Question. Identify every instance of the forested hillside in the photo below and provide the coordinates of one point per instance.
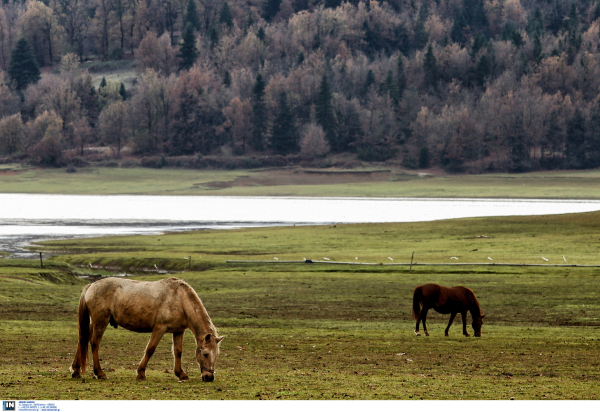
(467, 85)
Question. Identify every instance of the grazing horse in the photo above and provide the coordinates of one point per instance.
(165, 306)
(446, 300)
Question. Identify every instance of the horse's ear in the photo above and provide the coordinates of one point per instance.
(482, 316)
(207, 337)
(219, 339)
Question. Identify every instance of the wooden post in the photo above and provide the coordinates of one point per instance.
(411, 260)
(41, 262)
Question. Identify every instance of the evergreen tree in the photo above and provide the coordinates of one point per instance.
(23, 68)
(424, 158)
(102, 83)
(421, 35)
(575, 146)
(213, 36)
(227, 79)
(284, 135)
(430, 68)
(259, 113)
(472, 19)
(123, 92)
(537, 48)
(191, 15)
(370, 80)
(535, 24)
(483, 70)
(300, 58)
(324, 111)
(401, 77)
(270, 9)
(261, 33)
(225, 16)
(187, 50)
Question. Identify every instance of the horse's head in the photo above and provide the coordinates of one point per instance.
(207, 353)
(477, 323)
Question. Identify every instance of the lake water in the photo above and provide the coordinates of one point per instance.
(25, 218)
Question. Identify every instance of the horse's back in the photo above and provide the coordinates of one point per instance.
(445, 299)
(136, 305)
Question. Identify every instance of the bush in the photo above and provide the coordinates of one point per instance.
(71, 168)
(372, 153)
(129, 164)
(79, 162)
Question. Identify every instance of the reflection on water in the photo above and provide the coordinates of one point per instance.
(27, 217)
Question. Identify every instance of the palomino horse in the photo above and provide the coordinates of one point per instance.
(165, 306)
(446, 300)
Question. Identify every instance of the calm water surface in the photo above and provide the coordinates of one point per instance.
(29, 217)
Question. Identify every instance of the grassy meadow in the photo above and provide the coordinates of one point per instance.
(302, 331)
(382, 182)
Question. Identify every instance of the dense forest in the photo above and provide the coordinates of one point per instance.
(467, 85)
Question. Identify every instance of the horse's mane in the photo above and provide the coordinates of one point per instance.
(475, 303)
(198, 304)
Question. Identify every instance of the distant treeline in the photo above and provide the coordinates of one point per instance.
(468, 85)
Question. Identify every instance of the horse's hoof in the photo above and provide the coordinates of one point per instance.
(417, 333)
(426, 333)
(101, 376)
(141, 377)
(183, 377)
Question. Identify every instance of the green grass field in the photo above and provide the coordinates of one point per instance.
(301, 331)
(299, 182)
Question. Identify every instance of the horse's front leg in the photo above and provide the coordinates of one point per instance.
(463, 315)
(177, 351)
(98, 329)
(452, 316)
(157, 334)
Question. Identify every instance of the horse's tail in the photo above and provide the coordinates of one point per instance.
(80, 361)
(417, 295)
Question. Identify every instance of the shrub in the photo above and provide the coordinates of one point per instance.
(373, 153)
(71, 168)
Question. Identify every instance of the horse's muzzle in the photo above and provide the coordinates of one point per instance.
(208, 377)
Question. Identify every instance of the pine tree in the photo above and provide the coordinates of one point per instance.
(401, 77)
(213, 36)
(24, 68)
(324, 110)
(261, 33)
(537, 48)
(430, 68)
(187, 50)
(123, 92)
(227, 79)
(483, 70)
(421, 35)
(225, 16)
(270, 9)
(102, 83)
(259, 113)
(191, 15)
(284, 135)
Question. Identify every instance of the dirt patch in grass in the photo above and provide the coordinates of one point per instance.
(305, 177)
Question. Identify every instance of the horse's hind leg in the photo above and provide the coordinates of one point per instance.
(424, 319)
(177, 350)
(452, 316)
(157, 334)
(417, 325)
(96, 336)
(463, 315)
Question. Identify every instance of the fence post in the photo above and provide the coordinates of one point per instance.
(41, 262)
(411, 260)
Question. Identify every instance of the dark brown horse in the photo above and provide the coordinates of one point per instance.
(446, 300)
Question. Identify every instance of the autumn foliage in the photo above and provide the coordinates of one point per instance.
(467, 85)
